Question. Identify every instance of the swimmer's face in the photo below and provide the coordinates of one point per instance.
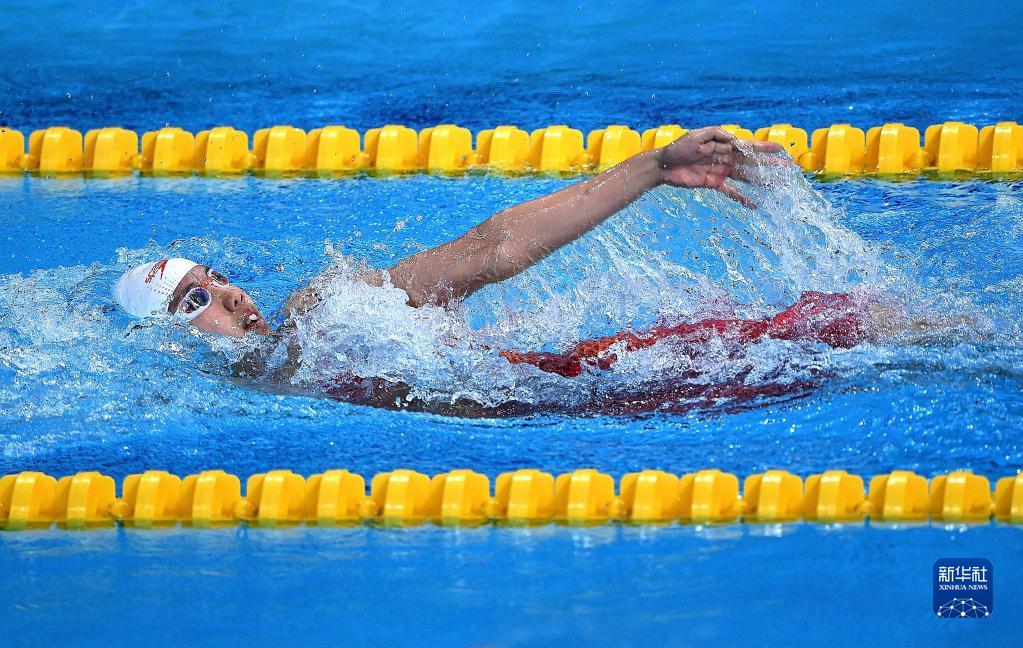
(230, 312)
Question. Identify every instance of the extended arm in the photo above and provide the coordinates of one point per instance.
(511, 241)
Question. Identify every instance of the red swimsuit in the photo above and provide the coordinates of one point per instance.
(832, 318)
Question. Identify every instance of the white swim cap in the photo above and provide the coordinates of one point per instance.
(147, 289)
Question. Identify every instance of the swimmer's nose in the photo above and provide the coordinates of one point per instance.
(232, 300)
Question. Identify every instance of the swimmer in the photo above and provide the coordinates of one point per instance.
(508, 243)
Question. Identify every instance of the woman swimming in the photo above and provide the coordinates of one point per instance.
(500, 247)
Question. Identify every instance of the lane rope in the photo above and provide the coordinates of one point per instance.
(947, 150)
(155, 498)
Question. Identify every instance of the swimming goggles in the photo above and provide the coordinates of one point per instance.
(198, 298)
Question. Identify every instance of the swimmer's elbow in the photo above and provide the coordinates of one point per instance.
(507, 255)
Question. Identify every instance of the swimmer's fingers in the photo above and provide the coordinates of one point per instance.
(750, 173)
(736, 195)
(710, 134)
(747, 166)
(745, 173)
(760, 154)
(776, 160)
(765, 161)
(761, 147)
(722, 149)
(743, 147)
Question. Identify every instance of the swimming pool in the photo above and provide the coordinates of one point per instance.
(81, 389)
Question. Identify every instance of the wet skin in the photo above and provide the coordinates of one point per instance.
(231, 311)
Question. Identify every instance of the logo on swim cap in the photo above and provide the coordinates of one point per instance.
(159, 265)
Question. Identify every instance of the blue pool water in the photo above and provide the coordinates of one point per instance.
(80, 387)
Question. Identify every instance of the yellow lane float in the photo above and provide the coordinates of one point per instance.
(33, 500)
(222, 151)
(168, 151)
(894, 149)
(110, 151)
(504, 149)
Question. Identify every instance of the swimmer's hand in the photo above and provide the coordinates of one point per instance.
(301, 301)
(707, 157)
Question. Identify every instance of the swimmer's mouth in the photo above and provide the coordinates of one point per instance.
(254, 322)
